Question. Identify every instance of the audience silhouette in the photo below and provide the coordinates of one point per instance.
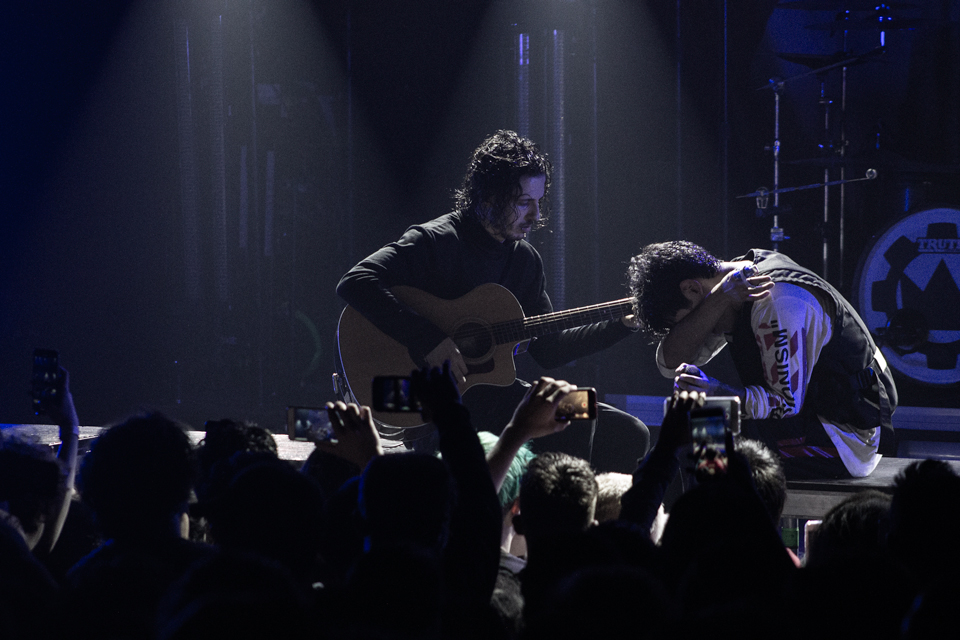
(363, 543)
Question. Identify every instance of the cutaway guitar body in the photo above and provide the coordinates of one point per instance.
(486, 324)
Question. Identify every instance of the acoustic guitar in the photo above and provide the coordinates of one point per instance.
(486, 324)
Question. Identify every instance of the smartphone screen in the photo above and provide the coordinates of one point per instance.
(578, 405)
(45, 384)
(708, 431)
(394, 394)
(708, 425)
(309, 424)
(729, 404)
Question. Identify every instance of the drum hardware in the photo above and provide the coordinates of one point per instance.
(871, 174)
(841, 61)
(880, 18)
(873, 23)
(844, 5)
(777, 234)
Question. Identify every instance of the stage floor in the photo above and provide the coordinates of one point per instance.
(50, 435)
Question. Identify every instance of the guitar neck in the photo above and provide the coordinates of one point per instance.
(536, 326)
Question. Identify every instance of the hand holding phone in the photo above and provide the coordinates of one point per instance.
(355, 436)
(537, 413)
(46, 384)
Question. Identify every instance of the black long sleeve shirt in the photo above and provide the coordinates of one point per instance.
(449, 257)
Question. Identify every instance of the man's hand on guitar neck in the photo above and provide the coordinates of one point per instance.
(448, 351)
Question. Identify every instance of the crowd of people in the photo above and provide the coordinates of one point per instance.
(484, 539)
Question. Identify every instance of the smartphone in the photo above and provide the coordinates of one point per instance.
(394, 394)
(578, 405)
(708, 433)
(309, 424)
(730, 405)
(46, 384)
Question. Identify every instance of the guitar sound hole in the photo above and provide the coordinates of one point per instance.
(474, 340)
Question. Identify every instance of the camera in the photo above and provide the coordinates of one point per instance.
(309, 424)
(394, 394)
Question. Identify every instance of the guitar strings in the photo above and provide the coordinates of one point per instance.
(510, 330)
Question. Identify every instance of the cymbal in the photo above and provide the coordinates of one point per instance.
(870, 23)
(817, 61)
(847, 61)
(843, 5)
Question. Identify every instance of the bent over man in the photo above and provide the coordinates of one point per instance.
(816, 387)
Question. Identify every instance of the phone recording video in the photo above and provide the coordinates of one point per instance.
(709, 426)
(578, 405)
(46, 384)
(394, 394)
(309, 424)
(708, 431)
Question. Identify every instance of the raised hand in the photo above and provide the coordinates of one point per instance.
(675, 429)
(355, 436)
(535, 416)
(436, 389)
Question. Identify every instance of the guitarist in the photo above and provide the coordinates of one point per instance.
(503, 197)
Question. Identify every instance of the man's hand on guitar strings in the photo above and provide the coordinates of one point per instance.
(356, 437)
(447, 351)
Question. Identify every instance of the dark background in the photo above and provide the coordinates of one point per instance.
(183, 183)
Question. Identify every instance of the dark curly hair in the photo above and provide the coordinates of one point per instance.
(654, 277)
(493, 176)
